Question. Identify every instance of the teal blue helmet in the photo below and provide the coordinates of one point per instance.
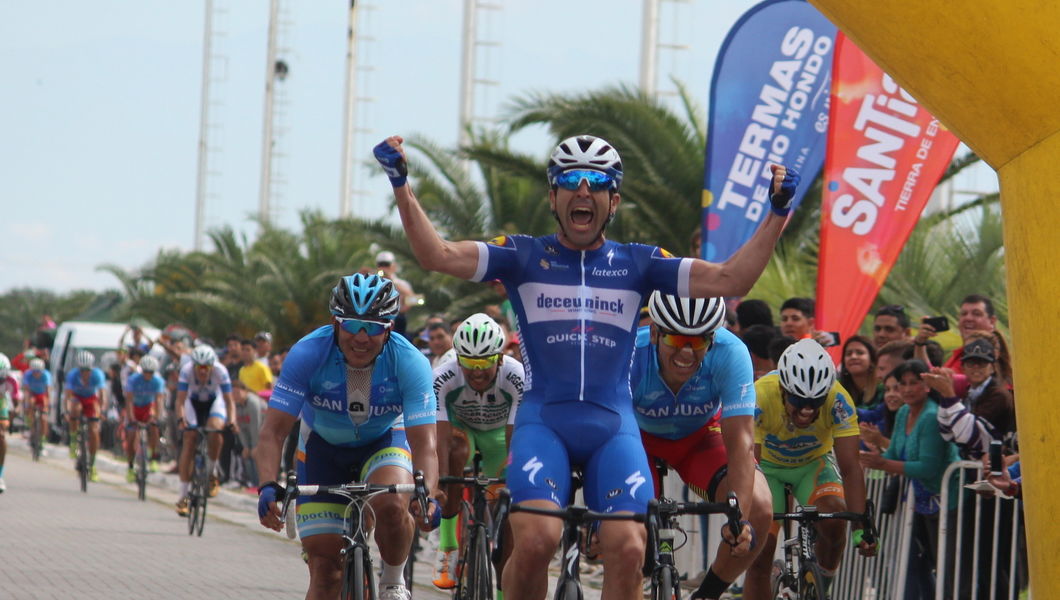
(364, 297)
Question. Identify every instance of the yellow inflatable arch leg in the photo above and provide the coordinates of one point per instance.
(989, 71)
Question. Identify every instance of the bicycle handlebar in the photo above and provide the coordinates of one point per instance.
(867, 518)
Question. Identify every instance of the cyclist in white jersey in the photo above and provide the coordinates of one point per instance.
(576, 295)
(478, 394)
(204, 399)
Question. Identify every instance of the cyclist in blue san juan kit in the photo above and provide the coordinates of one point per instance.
(694, 397)
(577, 297)
(366, 400)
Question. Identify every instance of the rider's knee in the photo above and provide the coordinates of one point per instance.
(536, 544)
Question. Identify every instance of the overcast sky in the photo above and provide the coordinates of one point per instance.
(100, 125)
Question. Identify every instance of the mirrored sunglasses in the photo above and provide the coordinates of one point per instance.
(355, 326)
(676, 340)
(572, 180)
(478, 364)
(801, 403)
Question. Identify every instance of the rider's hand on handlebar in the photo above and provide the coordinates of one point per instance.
(269, 495)
(864, 547)
(742, 545)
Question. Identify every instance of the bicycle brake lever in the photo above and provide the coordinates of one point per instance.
(735, 516)
(421, 497)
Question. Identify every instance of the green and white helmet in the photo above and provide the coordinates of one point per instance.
(478, 336)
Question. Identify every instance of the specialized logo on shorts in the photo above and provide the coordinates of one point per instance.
(635, 481)
(544, 302)
(532, 466)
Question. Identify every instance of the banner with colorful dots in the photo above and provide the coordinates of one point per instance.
(886, 154)
(768, 104)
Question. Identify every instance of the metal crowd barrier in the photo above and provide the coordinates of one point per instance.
(975, 590)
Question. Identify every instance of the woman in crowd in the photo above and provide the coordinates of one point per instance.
(857, 372)
(918, 451)
(877, 423)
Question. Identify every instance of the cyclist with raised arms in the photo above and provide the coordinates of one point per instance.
(146, 393)
(8, 403)
(85, 387)
(204, 399)
(37, 391)
(367, 407)
(804, 426)
(693, 392)
(478, 393)
(576, 296)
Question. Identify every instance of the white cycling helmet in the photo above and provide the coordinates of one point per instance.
(806, 370)
(149, 363)
(5, 365)
(686, 316)
(84, 359)
(36, 364)
(585, 152)
(203, 355)
(478, 336)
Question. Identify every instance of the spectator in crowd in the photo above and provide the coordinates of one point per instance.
(918, 452)
(857, 371)
(752, 312)
(796, 317)
(877, 423)
(276, 362)
(986, 412)
(1010, 481)
(505, 306)
(890, 355)
(386, 266)
(263, 346)
(250, 411)
(46, 323)
(232, 357)
(1002, 367)
(440, 343)
(757, 339)
(254, 374)
(890, 325)
(976, 314)
(777, 346)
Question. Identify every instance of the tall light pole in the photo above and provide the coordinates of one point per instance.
(266, 138)
(349, 114)
(204, 121)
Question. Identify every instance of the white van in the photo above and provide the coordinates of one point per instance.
(98, 338)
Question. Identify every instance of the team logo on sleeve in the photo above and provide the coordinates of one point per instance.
(841, 410)
(500, 240)
(665, 253)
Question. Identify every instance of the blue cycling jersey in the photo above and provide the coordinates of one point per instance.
(96, 380)
(724, 381)
(37, 382)
(312, 385)
(578, 311)
(144, 391)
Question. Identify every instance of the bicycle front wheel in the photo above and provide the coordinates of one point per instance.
(355, 583)
(569, 590)
(481, 579)
(663, 585)
(141, 466)
(811, 582)
(82, 458)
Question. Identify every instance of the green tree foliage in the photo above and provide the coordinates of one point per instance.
(21, 310)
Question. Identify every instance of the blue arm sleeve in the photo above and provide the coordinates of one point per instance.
(735, 379)
(417, 390)
(291, 388)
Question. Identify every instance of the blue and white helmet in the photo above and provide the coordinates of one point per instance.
(585, 152)
(365, 296)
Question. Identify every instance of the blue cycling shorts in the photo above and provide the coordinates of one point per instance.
(320, 463)
(549, 440)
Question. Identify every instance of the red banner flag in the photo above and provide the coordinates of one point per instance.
(885, 155)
